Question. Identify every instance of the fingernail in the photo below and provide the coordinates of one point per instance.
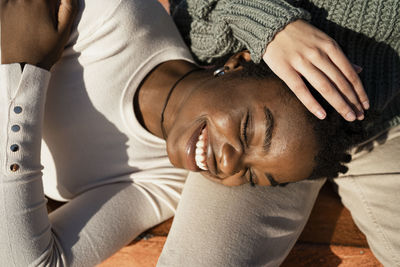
(365, 104)
(351, 116)
(321, 114)
(357, 68)
(360, 116)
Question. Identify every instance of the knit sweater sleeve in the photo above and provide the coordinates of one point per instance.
(215, 28)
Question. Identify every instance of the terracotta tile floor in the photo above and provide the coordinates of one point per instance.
(146, 252)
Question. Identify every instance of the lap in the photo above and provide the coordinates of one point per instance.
(237, 226)
(100, 221)
(370, 190)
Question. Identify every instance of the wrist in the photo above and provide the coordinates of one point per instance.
(43, 65)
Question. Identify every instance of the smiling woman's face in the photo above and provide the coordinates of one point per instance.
(234, 129)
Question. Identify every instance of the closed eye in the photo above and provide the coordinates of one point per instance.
(246, 143)
(244, 129)
(251, 178)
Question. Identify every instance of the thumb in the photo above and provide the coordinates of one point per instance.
(66, 15)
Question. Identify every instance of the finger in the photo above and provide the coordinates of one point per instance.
(326, 66)
(341, 61)
(66, 15)
(302, 92)
(323, 85)
(357, 68)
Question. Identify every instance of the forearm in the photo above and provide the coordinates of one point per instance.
(25, 231)
(217, 28)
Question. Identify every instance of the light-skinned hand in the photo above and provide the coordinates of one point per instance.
(301, 50)
(35, 32)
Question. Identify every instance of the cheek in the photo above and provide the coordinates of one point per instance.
(302, 169)
(279, 147)
(300, 160)
(294, 154)
(177, 138)
(172, 151)
(282, 140)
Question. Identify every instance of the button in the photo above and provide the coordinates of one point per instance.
(14, 167)
(15, 128)
(17, 110)
(14, 148)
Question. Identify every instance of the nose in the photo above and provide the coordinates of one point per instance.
(230, 160)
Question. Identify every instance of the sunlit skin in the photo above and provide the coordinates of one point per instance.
(224, 106)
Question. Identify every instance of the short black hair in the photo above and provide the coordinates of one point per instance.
(335, 136)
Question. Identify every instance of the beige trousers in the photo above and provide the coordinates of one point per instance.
(244, 226)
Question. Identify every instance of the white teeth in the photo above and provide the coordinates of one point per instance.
(201, 149)
(200, 158)
(203, 167)
(200, 143)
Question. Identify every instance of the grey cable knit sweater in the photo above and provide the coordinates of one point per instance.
(367, 31)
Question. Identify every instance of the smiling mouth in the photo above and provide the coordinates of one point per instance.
(201, 150)
(196, 150)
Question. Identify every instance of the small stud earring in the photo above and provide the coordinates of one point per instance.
(220, 71)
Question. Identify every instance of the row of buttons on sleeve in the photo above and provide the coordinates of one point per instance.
(15, 147)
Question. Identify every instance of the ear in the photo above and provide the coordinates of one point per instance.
(234, 63)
